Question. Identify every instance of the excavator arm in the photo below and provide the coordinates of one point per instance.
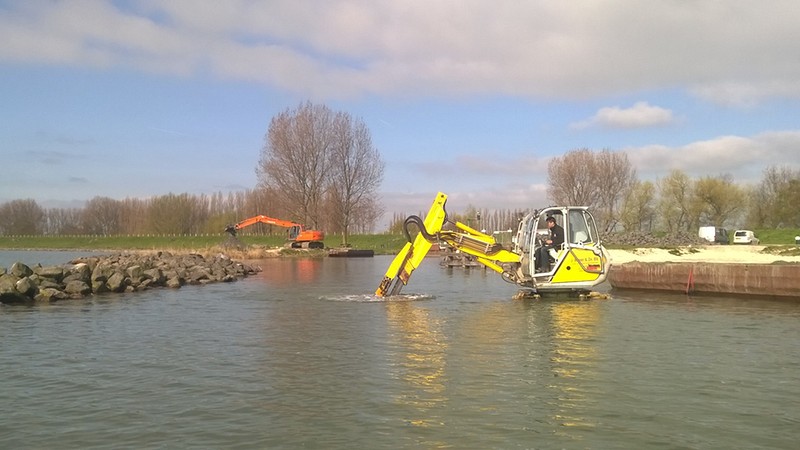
(412, 254)
(480, 245)
(232, 229)
(468, 240)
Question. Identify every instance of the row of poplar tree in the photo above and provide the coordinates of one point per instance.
(673, 203)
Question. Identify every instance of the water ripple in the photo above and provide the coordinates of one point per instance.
(266, 363)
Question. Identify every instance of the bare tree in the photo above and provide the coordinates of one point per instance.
(615, 176)
(638, 210)
(572, 179)
(21, 217)
(134, 216)
(600, 180)
(674, 194)
(294, 160)
(756, 214)
(718, 200)
(263, 201)
(768, 207)
(787, 212)
(366, 215)
(356, 175)
(101, 216)
(175, 214)
(62, 221)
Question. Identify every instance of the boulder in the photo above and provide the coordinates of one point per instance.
(8, 289)
(47, 295)
(81, 271)
(116, 282)
(26, 287)
(20, 270)
(155, 276)
(53, 272)
(77, 288)
(134, 272)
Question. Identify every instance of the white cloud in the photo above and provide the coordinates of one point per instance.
(744, 158)
(745, 95)
(639, 115)
(730, 52)
(522, 182)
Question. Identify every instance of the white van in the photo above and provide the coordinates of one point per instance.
(745, 237)
(714, 235)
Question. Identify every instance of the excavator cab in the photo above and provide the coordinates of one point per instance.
(293, 232)
(576, 267)
(579, 262)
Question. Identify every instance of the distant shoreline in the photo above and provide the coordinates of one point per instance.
(746, 254)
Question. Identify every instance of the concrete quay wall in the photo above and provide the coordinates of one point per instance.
(777, 280)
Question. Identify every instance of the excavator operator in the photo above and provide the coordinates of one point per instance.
(555, 241)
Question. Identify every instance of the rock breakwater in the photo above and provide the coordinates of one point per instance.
(114, 273)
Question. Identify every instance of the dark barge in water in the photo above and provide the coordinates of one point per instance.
(347, 252)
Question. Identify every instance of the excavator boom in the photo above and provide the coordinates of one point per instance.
(412, 254)
(260, 219)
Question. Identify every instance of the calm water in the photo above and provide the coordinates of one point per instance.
(301, 356)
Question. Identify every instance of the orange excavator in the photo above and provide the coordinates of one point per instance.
(298, 235)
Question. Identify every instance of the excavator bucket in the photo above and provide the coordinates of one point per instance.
(413, 253)
(231, 229)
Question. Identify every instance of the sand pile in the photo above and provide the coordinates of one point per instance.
(744, 254)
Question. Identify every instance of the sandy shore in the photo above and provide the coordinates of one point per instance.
(746, 254)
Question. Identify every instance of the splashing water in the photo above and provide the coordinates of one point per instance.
(372, 298)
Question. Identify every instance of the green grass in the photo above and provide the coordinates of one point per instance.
(109, 242)
(782, 239)
(781, 236)
(380, 243)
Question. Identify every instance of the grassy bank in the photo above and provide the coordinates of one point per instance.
(380, 243)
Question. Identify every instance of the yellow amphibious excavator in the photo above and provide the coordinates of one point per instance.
(575, 268)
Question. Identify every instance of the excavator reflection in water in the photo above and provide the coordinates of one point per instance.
(298, 235)
(438, 374)
(419, 351)
(580, 264)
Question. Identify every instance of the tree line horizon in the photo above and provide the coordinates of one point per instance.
(319, 168)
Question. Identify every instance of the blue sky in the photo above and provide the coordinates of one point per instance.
(472, 98)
